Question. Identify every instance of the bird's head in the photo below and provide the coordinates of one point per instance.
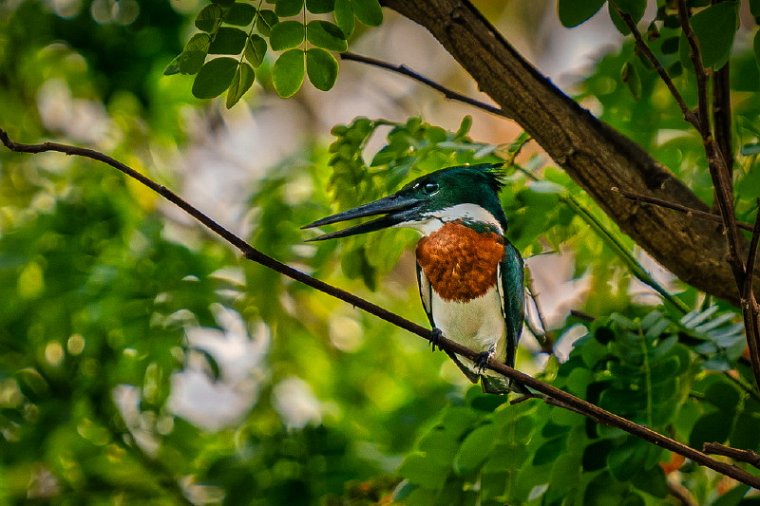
(469, 193)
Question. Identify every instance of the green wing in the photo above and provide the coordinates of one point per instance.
(425, 294)
(512, 291)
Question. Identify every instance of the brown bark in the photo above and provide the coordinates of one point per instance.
(596, 156)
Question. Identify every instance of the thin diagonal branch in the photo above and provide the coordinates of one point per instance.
(406, 71)
(560, 397)
(678, 207)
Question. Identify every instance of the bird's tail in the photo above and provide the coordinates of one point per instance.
(502, 385)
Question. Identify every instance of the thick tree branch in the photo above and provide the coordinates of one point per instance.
(559, 397)
(593, 154)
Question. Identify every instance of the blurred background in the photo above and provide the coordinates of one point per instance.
(142, 360)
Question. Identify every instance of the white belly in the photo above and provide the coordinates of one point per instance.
(477, 324)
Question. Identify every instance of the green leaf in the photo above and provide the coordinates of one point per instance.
(228, 41)
(634, 8)
(712, 427)
(418, 470)
(32, 383)
(757, 48)
(240, 14)
(320, 6)
(286, 35)
(715, 28)
(604, 489)
(595, 455)
(322, 68)
(754, 8)
(549, 451)
(174, 66)
(266, 21)
(630, 77)
(241, 82)
(344, 16)
(326, 35)
(475, 449)
(625, 460)
(574, 12)
(255, 50)
(723, 396)
(745, 433)
(288, 73)
(208, 18)
(368, 12)
(651, 481)
(733, 497)
(191, 59)
(285, 8)
(214, 77)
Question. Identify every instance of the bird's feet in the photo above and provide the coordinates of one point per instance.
(435, 338)
(481, 361)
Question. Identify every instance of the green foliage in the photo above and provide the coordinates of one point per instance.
(99, 294)
(215, 77)
(494, 453)
(322, 68)
(573, 12)
(715, 28)
(288, 73)
(233, 28)
(634, 8)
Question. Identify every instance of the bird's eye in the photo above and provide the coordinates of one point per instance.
(430, 188)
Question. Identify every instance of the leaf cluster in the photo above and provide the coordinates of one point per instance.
(241, 34)
(487, 451)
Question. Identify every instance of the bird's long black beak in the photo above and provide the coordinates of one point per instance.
(396, 208)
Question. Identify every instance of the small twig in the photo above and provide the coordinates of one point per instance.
(677, 207)
(750, 308)
(752, 256)
(541, 335)
(722, 116)
(642, 46)
(559, 397)
(406, 71)
(681, 493)
(581, 315)
(695, 54)
(748, 456)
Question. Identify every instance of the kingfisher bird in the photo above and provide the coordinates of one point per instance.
(470, 277)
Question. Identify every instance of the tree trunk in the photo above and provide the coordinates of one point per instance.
(595, 155)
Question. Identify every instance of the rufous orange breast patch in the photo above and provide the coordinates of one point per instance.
(460, 263)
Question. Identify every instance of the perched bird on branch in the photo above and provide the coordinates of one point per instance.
(469, 275)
